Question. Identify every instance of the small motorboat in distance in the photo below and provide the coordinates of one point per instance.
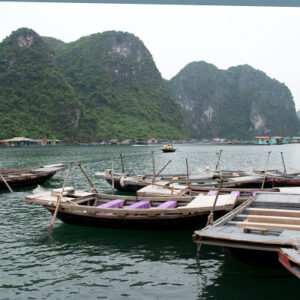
(168, 148)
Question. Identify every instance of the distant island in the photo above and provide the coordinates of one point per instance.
(106, 86)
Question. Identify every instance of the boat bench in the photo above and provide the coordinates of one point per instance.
(117, 203)
(167, 204)
(212, 192)
(238, 193)
(143, 204)
(254, 192)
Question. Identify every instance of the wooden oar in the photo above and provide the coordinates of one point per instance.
(153, 165)
(163, 168)
(89, 180)
(284, 168)
(218, 162)
(210, 218)
(58, 203)
(187, 172)
(123, 170)
(263, 183)
(6, 183)
(112, 175)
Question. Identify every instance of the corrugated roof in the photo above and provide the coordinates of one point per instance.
(20, 139)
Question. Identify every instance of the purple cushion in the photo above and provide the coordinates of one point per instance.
(212, 193)
(143, 204)
(254, 193)
(238, 193)
(118, 203)
(167, 204)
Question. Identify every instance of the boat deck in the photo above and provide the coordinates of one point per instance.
(267, 221)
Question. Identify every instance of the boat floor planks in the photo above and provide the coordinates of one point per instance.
(259, 224)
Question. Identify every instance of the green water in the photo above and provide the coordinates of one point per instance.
(94, 263)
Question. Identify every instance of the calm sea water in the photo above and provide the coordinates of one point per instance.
(94, 263)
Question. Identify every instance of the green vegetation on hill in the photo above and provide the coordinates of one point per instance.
(52, 42)
(35, 99)
(115, 78)
(106, 86)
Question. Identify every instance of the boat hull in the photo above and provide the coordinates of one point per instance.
(129, 188)
(190, 222)
(258, 258)
(31, 180)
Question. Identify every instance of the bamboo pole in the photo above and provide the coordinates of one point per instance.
(112, 175)
(210, 218)
(153, 166)
(187, 171)
(6, 183)
(265, 173)
(89, 180)
(163, 168)
(58, 203)
(121, 157)
(283, 163)
(218, 161)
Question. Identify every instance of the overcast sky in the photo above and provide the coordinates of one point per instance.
(267, 38)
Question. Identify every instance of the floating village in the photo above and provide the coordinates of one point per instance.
(258, 140)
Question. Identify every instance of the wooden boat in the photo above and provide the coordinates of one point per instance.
(277, 178)
(116, 211)
(130, 182)
(168, 189)
(28, 176)
(125, 182)
(290, 259)
(255, 231)
(168, 148)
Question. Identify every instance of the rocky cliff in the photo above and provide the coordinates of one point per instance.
(240, 102)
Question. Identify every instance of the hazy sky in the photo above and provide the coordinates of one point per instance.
(267, 38)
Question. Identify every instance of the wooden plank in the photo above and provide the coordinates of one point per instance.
(273, 212)
(263, 231)
(267, 225)
(272, 219)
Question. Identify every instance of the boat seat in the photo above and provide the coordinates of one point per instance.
(143, 204)
(212, 192)
(167, 204)
(117, 203)
(238, 193)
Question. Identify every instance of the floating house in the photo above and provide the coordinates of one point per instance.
(152, 141)
(277, 140)
(21, 142)
(295, 139)
(262, 140)
(274, 140)
(54, 143)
